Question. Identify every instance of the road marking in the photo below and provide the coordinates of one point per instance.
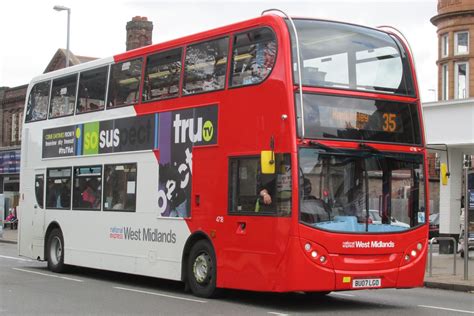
(159, 294)
(16, 258)
(447, 309)
(48, 275)
(279, 314)
(343, 294)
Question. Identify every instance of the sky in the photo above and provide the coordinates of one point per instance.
(31, 31)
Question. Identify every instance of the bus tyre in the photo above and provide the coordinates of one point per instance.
(201, 270)
(55, 251)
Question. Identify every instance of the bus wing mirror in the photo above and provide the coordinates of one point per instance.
(444, 174)
(267, 161)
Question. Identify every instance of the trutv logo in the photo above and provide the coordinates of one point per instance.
(186, 127)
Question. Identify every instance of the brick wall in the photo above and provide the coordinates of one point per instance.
(139, 32)
(12, 105)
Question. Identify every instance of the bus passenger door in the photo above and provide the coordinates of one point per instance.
(35, 205)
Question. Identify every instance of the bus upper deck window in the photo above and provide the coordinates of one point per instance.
(124, 83)
(253, 57)
(205, 66)
(91, 93)
(63, 96)
(38, 99)
(163, 71)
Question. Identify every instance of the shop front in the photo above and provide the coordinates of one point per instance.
(9, 183)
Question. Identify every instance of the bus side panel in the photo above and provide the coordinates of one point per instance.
(148, 246)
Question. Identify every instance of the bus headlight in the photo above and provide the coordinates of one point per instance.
(317, 253)
(414, 252)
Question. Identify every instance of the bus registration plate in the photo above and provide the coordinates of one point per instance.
(366, 283)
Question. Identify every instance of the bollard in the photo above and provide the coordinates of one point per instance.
(430, 262)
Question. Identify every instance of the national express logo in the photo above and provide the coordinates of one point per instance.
(143, 234)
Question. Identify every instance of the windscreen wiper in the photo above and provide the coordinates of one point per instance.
(372, 149)
(319, 145)
(368, 147)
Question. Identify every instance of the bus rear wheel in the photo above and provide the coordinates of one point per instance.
(55, 251)
(202, 270)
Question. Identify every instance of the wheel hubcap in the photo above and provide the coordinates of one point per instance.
(56, 251)
(201, 268)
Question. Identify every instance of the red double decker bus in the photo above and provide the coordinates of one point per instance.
(275, 154)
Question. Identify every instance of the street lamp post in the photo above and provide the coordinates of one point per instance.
(63, 8)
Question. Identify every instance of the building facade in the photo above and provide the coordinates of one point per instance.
(449, 122)
(455, 24)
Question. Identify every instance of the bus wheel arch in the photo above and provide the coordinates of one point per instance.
(54, 248)
(199, 266)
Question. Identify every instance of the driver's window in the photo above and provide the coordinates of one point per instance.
(39, 189)
(248, 187)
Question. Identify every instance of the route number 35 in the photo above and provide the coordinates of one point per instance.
(389, 123)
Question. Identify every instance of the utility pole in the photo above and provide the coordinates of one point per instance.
(467, 165)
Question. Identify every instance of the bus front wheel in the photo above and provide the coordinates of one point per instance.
(55, 251)
(202, 270)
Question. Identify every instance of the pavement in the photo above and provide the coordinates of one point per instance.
(442, 275)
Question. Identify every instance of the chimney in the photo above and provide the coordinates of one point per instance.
(139, 32)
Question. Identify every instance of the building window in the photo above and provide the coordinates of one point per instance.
(444, 82)
(205, 66)
(14, 127)
(461, 80)
(58, 189)
(461, 43)
(20, 125)
(444, 45)
(87, 189)
(120, 185)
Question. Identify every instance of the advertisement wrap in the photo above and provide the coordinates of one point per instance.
(171, 135)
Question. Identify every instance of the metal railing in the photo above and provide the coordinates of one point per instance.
(430, 262)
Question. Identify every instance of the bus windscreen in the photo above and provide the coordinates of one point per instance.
(352, 191)
(345, 56)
